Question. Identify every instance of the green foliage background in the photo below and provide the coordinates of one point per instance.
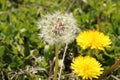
(24, 56)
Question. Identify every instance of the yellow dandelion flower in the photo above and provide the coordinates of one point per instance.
(86, 67)
(93, 39)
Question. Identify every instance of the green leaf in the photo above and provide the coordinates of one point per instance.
(2, 51)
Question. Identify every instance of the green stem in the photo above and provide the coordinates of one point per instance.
(56, 61)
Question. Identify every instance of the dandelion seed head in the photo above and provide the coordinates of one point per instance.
(58, 28)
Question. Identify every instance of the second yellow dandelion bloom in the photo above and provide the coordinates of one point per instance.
(87, 67)
(93, 39)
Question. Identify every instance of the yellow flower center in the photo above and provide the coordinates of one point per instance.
(93, 39)
(86, 67)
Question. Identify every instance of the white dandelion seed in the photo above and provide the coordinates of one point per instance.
(58, 28)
